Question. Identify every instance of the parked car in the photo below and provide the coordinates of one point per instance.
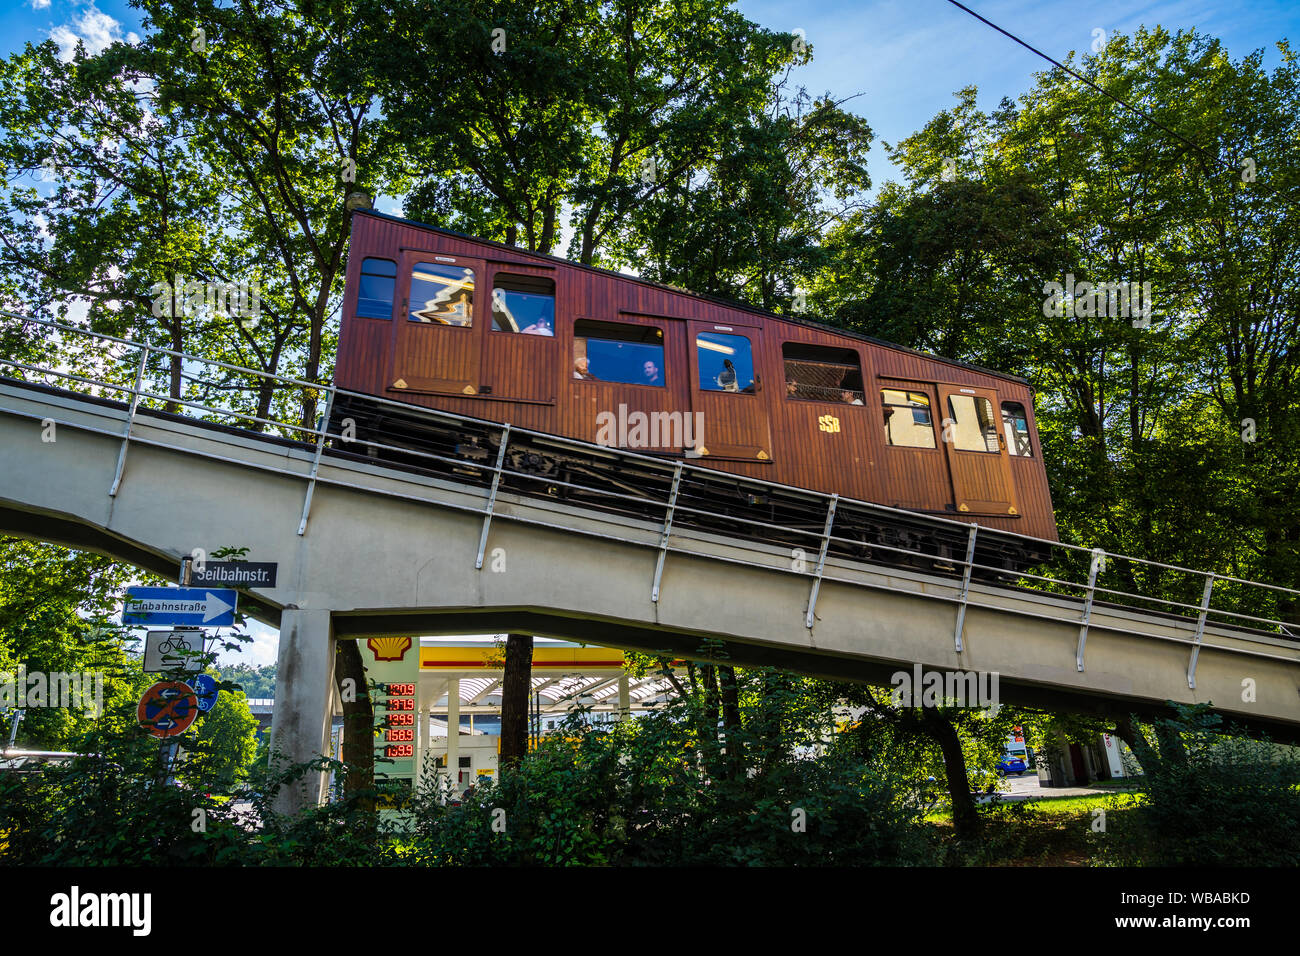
(1012, 763)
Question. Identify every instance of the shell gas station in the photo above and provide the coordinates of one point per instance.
(434, 684)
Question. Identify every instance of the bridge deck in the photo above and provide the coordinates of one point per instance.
(390, 550)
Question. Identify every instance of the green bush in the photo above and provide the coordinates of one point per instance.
(1229, 802)
(630, 795)
(633, 796)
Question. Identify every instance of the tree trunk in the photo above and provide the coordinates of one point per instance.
(1172, 751)
(358, 720)
(548, 226)
(516, 684)
(712, 699)
(708, 728)
(177, 344)
(965, 819)
(1127, 730)
(731, 721)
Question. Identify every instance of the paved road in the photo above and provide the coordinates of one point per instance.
(245, 815)
(1026, 787)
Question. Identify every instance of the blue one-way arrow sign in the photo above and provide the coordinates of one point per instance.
(207, 607)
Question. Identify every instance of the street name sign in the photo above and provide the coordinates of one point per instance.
(201, 607)
(251, 574)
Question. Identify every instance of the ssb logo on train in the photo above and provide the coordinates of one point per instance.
(828, 423)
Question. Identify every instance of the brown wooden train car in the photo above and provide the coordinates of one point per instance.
(477, 328)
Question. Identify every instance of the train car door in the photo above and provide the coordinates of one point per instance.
(914, 473)
(727, 391)
(521, 348)
(822, 418)
(439, 327)
(976, 449)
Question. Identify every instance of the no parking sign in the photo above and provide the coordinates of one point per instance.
(168, 708)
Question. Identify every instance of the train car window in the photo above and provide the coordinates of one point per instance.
(442, 294)
(907, 418)
(726, 362)
(820, 374)
(524, 304)
(1015, 428)
(973, 427)
(614, 352)
(375, 293)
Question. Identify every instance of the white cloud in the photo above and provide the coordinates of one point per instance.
(40, 4)
(92, 27)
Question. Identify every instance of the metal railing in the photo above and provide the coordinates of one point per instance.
(682, 495)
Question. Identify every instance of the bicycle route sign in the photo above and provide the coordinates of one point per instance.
(167, 708)
(175, 650)
(203, 607)
(205, 687)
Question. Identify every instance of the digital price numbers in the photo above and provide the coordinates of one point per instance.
(399, 722)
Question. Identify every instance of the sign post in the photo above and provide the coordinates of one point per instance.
(169, 708)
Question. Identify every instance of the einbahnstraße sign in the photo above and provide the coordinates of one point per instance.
(202, 607)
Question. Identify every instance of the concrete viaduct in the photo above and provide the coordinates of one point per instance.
(382, 550)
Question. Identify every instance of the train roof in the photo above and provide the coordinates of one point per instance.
(716, 300)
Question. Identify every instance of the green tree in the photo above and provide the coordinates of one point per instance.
(254, 682)
(225, 746)
(516, 114)
(1142, 428)
(54, 617)
(746, 220)
(220, 149)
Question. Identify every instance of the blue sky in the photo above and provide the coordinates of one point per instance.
(906, 57)
(909, 56)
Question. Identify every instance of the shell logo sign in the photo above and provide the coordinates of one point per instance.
(389, 648)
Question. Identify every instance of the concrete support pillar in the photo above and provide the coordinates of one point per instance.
(453, 732)
(624, 698)
(300, 727)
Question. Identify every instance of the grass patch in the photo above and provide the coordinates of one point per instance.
(1057, 806)
(1052, 806)
(1121, 783)
(1047, 831)
(1067, 831)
